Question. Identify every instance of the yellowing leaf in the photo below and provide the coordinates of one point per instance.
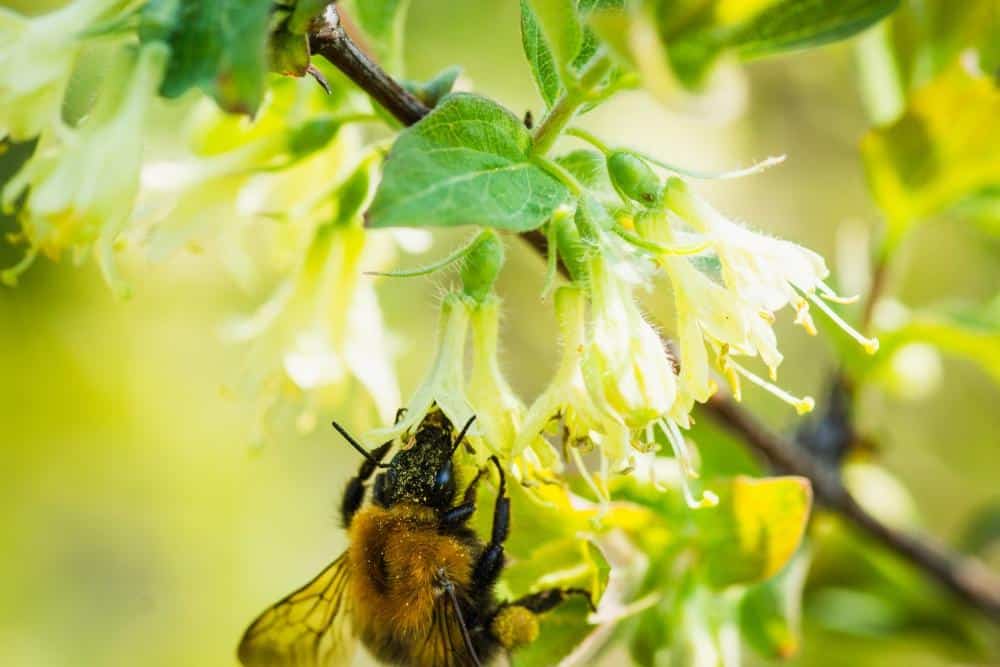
(944, 148)
(755, 529)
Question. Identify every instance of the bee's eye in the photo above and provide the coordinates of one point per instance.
(443, 477)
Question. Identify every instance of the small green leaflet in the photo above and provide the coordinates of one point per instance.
(557, 41)
(466, 163)
(536, 50)
(219, 46)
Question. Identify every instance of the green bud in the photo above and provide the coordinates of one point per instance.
(633, 178)
(431, 92)
(482, 265)
(573, 251)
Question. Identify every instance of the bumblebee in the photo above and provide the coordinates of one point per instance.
(415, 585)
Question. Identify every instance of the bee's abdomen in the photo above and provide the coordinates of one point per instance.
(400, 562)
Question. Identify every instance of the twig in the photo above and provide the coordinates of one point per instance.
(328, 38)
(967, 578)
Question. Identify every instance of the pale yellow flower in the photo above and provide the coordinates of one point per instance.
(80, 184)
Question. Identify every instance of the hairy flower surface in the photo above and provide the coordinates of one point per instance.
(625, 366)
(81, 183)
(444, 384)
(498, 409)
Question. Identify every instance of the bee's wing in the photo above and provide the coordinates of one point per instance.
(309, 628)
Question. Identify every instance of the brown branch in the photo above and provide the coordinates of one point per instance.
(967, 578)
(329, 39)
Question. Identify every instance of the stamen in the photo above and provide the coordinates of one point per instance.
(830, 295)
(802, 317)
(683, 455)
(870, 345)
(582, 468)
(766, 315)
(802, 405)
(723, 361)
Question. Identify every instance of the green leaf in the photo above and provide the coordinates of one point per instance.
(565, 563)
(539, 55)
(219, 46)
(560, 632)
(589, 168)
(943, 149)
(770, 613)
(695, 35)
(755, 530)
(382, 23)
(466, 163)
(560, 25)
(798, 24)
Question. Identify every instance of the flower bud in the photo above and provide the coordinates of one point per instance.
(633, 178)
(481, 265)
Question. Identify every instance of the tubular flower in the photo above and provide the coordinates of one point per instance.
(323, 327)
(625, 366)
(766, 273)
(234, 174)
(37, 55)
(444, 384)
(567, 397)
(81, 183)
(498, 410)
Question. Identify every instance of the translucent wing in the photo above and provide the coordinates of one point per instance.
(309, 628)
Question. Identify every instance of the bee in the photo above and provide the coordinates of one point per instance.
(415, 585)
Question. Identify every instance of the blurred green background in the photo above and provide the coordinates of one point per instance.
(139, 527)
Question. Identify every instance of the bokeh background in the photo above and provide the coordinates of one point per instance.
(139, 526)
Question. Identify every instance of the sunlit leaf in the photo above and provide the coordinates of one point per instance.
(755, 530)
(466, 163)
(695, 36)
(944, 148)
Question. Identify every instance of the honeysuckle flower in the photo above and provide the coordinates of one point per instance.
(322, 328)
(81, 183)
(234, 174)
(765, 272)
(498, 409)
(625, 366)
(585, 425)
(444, 384)
(37, 56)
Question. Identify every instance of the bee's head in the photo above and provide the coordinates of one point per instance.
(423, 473)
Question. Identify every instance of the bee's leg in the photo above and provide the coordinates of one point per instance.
(354, 494)
(490, 562)
(459, 514)
(516, 623)
(546, 600)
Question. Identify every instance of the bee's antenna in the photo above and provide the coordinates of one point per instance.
(461, 434)
(356, 445)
